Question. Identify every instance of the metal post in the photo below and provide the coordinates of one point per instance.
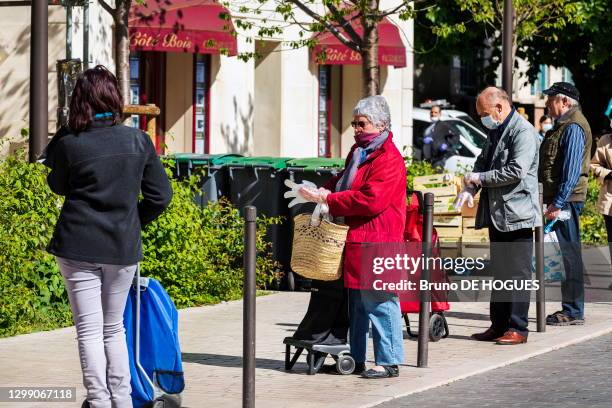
(507, 46)
(86, 35)
(67, 73)
(39, 81)
(425, 305)
(539, 255)
(68, 32)
(248, 317)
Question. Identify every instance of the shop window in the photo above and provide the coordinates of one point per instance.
(330, 110)
(567, 76)
(135, 85)
(201, 104)
(324, 116)
(148, 86)
(541, 83)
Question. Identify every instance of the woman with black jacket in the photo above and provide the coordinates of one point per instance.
(101, 167)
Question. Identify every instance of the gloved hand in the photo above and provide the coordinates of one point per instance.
(428, 140)
(472, 178)
(321, 212)
(465, 196)
(298, 198)
(315, 196)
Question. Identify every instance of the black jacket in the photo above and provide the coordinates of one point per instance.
(101, 172)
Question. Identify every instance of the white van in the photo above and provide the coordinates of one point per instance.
(471, 136)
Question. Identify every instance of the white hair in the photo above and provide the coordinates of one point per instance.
(570, 101)
(376, 109)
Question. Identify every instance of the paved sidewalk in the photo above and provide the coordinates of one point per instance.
(574, 376)
(212, 346)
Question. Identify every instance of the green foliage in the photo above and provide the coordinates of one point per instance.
(323, 16)
(196, 253)
(464, 28)
(415, 168)
(32, 292)
(583, 47)
(592, 225)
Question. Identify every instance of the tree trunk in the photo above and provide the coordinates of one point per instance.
(122, 48)
(369, 57)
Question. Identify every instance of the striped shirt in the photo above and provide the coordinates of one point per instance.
(572, 145)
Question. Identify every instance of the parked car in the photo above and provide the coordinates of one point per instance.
(471, 137)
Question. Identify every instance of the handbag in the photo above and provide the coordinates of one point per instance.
(318, 245)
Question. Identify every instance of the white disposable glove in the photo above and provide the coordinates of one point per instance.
(321, 212)
(473, 179)
(294, 192)
(315, 196)
(463, 197)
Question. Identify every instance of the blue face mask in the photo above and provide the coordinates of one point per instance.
(489, 123)
(546, 127)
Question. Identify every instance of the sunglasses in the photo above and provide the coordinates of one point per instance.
(360, 124)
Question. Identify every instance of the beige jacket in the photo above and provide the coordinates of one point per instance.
(601, 166)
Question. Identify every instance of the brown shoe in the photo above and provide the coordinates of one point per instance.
(488, 335)
(512, 338)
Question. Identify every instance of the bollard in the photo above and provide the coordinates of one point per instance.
(539, 257)
(425, 305)
(248, 317)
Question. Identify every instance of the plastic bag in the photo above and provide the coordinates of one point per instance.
(554, 269)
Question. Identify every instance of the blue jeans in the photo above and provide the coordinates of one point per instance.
(572, 288)
(383, 310)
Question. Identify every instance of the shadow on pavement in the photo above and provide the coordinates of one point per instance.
(467, 316)
(220, 360)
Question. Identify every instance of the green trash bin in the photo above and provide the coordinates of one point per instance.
(259, 181)
(214, 182)
(317, 170)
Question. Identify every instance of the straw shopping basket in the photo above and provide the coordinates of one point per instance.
(317, 249)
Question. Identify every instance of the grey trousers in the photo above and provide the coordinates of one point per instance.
(97, 294)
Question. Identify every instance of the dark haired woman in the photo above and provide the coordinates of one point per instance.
(101, 166)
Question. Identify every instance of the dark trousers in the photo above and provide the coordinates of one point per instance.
(608, 220)
(572, 288)
(327, 319)
(511, 255)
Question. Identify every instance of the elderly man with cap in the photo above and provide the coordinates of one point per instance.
(565, 154)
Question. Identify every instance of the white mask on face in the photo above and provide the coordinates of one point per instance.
(489, 122)
(546, 127)
(435, 118)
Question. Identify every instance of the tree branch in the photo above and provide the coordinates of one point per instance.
(107, 7)
(394, 10)
(345, 24)
(332, 29)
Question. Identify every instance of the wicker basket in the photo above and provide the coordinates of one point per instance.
(317, 250)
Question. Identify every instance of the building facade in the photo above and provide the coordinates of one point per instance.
(282, 104)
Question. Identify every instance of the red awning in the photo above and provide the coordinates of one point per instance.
(391, 50)
(181, 26)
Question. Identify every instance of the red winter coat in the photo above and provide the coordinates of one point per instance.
(374, 208)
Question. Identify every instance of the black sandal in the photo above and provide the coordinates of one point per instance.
(560, 318)
(390, 371)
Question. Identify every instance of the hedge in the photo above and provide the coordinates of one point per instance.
(196, 253)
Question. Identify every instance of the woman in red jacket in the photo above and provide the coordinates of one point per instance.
(370, 194)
